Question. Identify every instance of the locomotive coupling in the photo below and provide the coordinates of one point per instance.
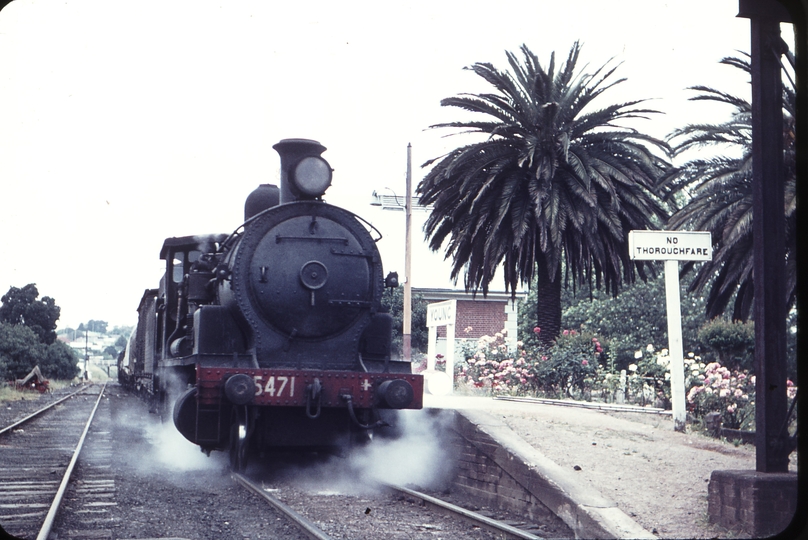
(240, 389)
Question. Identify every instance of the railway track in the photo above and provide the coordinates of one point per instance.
(319, 522)
(122, 488)
(38, 455)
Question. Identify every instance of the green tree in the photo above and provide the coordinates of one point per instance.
(97, 326)
(21, 350)
(733, 342)
(20, 306)
(393, 301)
(635, 318)
(60, 362)
(718, 197)
(555, 180)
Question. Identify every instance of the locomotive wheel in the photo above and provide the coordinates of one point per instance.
(238, 448)
(239, 439)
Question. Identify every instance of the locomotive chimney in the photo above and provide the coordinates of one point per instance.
(302, 178)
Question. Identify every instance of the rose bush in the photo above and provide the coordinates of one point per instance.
(717, 389)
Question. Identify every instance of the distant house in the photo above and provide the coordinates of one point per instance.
(477, 315)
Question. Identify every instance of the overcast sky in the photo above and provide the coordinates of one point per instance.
(123, 123)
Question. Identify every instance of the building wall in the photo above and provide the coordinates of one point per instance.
(477, 318)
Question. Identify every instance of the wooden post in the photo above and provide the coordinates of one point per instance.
(407, 330)
(675, 348)
(768, 228)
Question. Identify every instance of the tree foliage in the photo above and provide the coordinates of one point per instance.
(733, 342)
(97, 326)
(20, 306)
(393, 301)
(28, 336)
(630, 321)
(718, 197)
(555, 180)
(21, 350)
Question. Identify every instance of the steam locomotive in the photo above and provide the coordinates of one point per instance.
(274, 336)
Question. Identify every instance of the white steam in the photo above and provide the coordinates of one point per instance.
(423, 456)
(176, 453)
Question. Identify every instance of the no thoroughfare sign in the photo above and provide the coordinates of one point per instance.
(670, 245)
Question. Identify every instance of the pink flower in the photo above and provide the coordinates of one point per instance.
(544, 358)
(599, 348)
(584, 362)
(566, 332)
(536, 330)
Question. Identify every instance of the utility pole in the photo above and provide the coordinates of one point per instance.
(407, 330)
(86, 351)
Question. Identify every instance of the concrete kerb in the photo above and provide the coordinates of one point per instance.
(588, 513)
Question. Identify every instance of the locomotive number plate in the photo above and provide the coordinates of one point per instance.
(293, 387)
(273, 389)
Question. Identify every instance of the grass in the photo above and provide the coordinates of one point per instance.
(9, 393)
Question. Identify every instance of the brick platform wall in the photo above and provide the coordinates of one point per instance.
(496, 467)
(759, 504)
(481, 479)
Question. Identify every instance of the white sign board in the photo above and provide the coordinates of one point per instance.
(670, 245)
(441, 313)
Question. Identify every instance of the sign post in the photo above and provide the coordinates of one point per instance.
(441, 314)
(672, 247)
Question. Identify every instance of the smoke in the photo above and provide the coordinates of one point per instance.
(173, 452)
(422, 457)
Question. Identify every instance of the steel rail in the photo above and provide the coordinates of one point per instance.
(44, 532)
(308, 527)
(40, 411)
(473, 517)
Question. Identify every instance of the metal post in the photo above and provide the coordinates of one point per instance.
(407, 330)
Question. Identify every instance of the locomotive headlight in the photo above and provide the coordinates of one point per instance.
(312, 176)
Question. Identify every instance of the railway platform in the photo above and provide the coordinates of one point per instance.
(606, 473)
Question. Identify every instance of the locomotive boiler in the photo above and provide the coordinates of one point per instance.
(273, 336)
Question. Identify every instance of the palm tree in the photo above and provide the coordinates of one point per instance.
(554, 181)
(718, 195)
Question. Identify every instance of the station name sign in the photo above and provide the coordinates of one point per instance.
(670, 245)
(441, 313)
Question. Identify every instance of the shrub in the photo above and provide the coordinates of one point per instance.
(717, 389)
(732, 342)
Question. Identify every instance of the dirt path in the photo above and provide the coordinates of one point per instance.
(655, 475)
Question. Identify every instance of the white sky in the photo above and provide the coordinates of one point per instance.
(123, 123)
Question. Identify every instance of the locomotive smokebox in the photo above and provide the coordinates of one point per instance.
(304, 174)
